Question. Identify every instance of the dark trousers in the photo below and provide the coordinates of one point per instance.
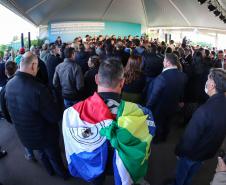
(52, 161)
(148, 85)
(162, 127)
(186, 169)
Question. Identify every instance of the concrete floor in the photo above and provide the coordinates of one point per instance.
(15, 170)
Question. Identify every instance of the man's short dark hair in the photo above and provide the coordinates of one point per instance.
(213, 53)
(172, 58)
(108, 46)
(81, 47)
(169, 50)
(207, 52)
(176, 53)
(171, 41)
(136, 42)
(220, 51)
(52, 47)
(10, 68)
(110, 72)
(153, 48)
(68, 52)
(218, 75)
(201, 49)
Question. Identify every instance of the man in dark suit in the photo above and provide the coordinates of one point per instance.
(82, 58)
(10, 69)
(164, 95)
(3, 77)
(51, 62)
(35, 114)
(152, 64)
(206, 130)
(219, 62)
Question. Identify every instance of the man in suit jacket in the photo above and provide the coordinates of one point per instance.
(152, 64)
(206, 130)
(35, 114)
(3, 77)
(219, 62)
(51, 62)
(164, 95)
(82, 58)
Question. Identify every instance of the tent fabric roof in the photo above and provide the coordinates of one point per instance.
(150, 13)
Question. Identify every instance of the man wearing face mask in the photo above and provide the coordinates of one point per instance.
(205, 132)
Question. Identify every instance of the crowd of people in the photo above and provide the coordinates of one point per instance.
(114, 94)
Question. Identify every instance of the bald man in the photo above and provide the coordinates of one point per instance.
(35, 114)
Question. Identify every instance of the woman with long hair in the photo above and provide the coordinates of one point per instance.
(134, 80)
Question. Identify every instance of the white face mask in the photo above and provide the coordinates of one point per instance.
(206, 90)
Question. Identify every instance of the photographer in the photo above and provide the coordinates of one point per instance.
(220, 175)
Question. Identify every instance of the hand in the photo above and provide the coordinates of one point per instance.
(221, 166)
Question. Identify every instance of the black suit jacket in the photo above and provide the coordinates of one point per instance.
(205, 131)
(152, 65)
(82, 60)
(166, 91)
(42, 75)
(3, 77)
(33, 111)
(51, 63)
(3, 104)
(217, 63)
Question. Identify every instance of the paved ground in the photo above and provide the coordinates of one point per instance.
(15, 170)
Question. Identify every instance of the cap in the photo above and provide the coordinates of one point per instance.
(22, 51)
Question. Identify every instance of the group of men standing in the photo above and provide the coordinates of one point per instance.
(35, 112)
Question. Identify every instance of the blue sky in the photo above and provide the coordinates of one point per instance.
(12, 24)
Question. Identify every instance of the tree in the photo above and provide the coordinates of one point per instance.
(2, 49)
(37, 42)
(15, 38)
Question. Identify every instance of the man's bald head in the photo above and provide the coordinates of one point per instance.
(28, 58)
(29, 63)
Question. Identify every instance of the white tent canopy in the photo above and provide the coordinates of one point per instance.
(149, 13)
